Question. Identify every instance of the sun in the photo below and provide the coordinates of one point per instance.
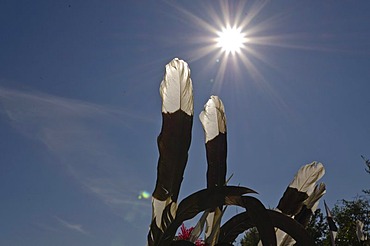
(231, 40)
(230, 36)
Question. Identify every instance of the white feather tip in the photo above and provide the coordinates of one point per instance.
(213, 118)
(176, 88)
(307, 176)
(313, 200)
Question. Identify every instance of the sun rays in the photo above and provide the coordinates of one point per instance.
(228, 34)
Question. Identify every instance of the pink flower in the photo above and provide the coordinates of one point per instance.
(200, 243)
(184, 234)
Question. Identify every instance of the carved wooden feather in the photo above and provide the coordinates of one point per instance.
(308, 209)
(300, 197)
(174, 140)
(214, 124)
(300, 188)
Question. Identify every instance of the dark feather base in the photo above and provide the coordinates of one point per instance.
(173, 144)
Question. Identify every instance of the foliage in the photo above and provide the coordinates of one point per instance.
(251, 238)
(318, 229)
(345, 214)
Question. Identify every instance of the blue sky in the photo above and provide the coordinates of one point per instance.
(80, 107)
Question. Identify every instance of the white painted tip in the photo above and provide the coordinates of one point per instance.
(176, 88)
(307, 176)
(312, 201)
(158, 208)
(213, 118)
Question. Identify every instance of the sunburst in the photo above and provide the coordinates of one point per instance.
(231, 40)
(229, 36)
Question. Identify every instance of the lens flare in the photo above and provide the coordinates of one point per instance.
(143, 195)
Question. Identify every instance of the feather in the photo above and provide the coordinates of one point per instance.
(213, 226)
(305, 214)
(195, 233)
(313, 200)
(308, 209)
(300, 194)
(333, 229)
(300, 188)
(307, 177)
(360, 231)
(214, 124)
(213, 118)
(176, 88)
(174, 140)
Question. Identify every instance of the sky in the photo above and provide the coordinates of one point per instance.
(80, 109)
